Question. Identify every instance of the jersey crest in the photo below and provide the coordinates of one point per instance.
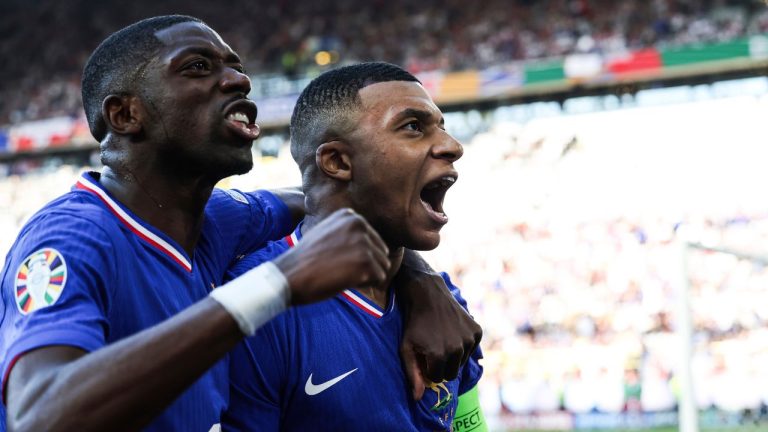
(40, 280)
(444, 396)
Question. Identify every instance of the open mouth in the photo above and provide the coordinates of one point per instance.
(241, 117)
(433, 194)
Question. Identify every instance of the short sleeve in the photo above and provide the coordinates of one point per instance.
(472, 371)
(257, 379)
(247, 220)
(55, 287)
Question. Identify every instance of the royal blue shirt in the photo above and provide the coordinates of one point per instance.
(86, 272)
(333, 365)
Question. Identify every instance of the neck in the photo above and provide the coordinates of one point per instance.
(378, 293)
(172, 204)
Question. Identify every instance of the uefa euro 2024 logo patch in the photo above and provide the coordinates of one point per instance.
(40, 280)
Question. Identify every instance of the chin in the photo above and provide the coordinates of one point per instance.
(424, 241)
(243, 167)
(235, 165)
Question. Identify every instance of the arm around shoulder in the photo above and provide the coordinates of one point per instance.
(439, 335)
(293, 198)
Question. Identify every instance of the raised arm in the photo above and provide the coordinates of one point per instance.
(123, 386)
(439, 334)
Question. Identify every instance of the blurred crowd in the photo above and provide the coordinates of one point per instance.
(583, 317)
(581, 309)
(47, 42)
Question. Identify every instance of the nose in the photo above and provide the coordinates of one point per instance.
(448, 149)
(234, 80)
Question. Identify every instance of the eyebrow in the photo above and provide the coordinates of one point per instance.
(230, 57)
(421, 115)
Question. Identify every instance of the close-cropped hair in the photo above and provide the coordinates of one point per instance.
(115, 63)
(324, 105)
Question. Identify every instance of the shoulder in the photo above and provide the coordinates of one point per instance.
(246, 220)
(244, 263)
(227, 198)
(77, 213)
(236, 199)
(68, 232)
(227, 206)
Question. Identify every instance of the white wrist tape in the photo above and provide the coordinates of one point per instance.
(255, 297)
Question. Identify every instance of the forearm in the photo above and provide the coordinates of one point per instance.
(419, 285)
(412, 261)
(293, 198)
(125, 385)
(439, 334)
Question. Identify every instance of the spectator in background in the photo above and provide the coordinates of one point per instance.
(450, 35)
(632, 390)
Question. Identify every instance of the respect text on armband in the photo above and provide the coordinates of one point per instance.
(468, 422)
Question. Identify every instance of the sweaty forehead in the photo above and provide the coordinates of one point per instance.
(191, 34)
(389, 98)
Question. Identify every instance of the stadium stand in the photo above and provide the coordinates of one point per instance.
(285, 37)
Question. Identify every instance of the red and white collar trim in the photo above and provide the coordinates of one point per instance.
(85, 183)
(293, 238)
(362, 304)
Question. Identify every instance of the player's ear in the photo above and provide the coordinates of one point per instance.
(333, 159)
(122, 114)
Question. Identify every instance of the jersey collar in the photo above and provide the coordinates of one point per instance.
(352, 296)
(88, 181)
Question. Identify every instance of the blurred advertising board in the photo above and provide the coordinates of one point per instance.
(276, 95)
(43, 134)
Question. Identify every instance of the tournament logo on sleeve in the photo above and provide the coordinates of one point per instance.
(40, 280)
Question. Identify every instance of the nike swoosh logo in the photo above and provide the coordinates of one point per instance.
(313, 389)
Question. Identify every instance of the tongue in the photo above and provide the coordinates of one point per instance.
(437, 215)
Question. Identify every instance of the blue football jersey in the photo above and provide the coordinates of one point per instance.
(333, 365)
(86, 272)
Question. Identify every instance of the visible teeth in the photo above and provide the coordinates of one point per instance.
(238, 117)
(443, 182)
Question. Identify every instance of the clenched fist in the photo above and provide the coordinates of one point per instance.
(342, 251)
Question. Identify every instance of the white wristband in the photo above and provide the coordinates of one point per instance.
(255, 297)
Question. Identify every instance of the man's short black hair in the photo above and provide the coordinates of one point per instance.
(322, 107)
(112, 67)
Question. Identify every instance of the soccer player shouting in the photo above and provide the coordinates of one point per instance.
(370, 138)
